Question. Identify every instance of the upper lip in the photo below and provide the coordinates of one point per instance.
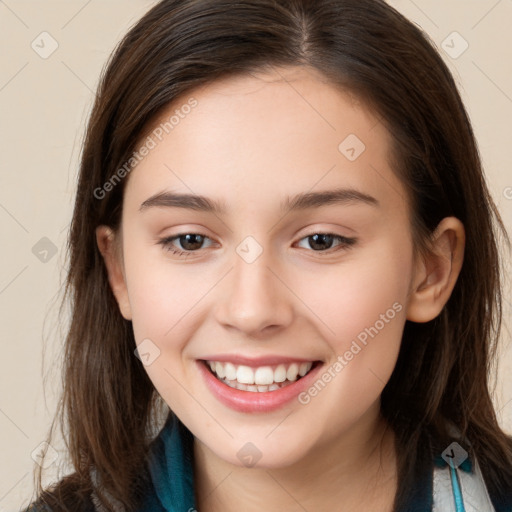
(256, 361)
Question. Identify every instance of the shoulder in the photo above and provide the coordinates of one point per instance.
(67, 495)
(71, 494)
(464, 483)
(38, 506)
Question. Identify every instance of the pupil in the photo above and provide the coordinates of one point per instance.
(191, 241)
(320, 240)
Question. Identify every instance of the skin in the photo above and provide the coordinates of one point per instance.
(250, 142)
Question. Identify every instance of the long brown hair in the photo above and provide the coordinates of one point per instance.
(368, 48)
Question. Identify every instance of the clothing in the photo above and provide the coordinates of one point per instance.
(438, 487)
(174, 457)
(172, 470)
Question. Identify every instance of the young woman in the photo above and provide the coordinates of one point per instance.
(283, 270)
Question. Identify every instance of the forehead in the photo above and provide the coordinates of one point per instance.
(283, 131)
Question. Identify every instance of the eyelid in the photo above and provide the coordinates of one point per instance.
(166, 241)
(345, 242)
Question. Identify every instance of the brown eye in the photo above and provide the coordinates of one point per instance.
(191, 241)
(322, 242)
(184, 243)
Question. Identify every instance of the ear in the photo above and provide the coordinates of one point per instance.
(436, 273)
(110, 249)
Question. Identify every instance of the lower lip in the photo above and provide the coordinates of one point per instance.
(251, 401)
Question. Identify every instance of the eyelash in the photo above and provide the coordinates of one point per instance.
(345, 243)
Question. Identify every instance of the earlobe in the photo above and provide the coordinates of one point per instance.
(110, 250)
(436, 274)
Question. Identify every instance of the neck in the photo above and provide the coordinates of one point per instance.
(355, 471)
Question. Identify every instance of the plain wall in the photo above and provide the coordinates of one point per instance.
(44, 103)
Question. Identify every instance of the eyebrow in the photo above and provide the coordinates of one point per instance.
(299, 202)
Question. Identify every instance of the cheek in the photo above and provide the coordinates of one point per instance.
(162, 300)
(169, 301)
(361, 310)
(159, 290)
(352, 295)
(158, 297)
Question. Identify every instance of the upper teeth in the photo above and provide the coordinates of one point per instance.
(262, 375)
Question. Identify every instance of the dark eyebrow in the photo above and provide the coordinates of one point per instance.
(336, 196)
(189, 201)
(298, 202)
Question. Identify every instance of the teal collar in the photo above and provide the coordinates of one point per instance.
(171, 468)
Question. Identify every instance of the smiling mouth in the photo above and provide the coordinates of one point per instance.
(259, 379)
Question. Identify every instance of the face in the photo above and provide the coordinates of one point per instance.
(269, 311)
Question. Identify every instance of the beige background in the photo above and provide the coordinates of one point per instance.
(44, 105)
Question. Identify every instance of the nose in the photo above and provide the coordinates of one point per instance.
(255, 299)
